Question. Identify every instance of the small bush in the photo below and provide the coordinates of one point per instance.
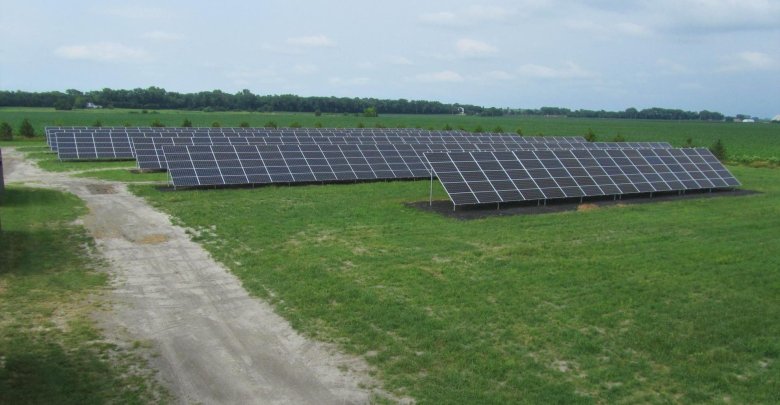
(317, 124)
(186, 123)
(498, 129)
(618, 138)
(97, 124)
(719, 150)
(317, 112)
(144, 111)
(216, 124)
(157, 124)
(296, 124)
(519, 131)
(127, 124)
(447, 127)
(479, 129)
(26, 129)
(370, 112)
(270, 124)
(6, 132)
(244, 124)
(590, 136)
(361, 125)
(688, 143)
(379, 125)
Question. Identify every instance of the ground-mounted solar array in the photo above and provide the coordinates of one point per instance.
(494, 177)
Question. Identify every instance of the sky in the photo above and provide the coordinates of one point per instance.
(718, 55)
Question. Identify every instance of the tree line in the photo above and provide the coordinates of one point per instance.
(245, 100)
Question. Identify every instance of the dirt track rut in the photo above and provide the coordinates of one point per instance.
(216, 344)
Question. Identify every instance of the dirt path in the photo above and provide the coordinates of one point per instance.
(215, 343)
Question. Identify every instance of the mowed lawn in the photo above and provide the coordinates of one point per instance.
(663, 302)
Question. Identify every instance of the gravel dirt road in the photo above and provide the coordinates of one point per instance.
(215, 343)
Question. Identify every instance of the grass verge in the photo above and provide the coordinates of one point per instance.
(664, 302)
(50, 349)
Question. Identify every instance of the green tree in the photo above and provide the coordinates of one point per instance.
(244, 124)
(26, 129)
(6, 132)
(719, 150)
(186, 123)
(590, 136)
(63, 104)
(370, 112)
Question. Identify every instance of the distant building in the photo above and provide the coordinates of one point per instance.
(776, 118)
(748, 120)
(93, 105)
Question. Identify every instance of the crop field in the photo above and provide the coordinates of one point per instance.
(673, 301)
(744, 142)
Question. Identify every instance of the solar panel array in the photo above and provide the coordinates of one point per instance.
(495, 177)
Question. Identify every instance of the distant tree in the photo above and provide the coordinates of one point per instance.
(618, 138)
(479, 129)
(498, 129)
(519, 131)
(447, 127)
(216, 124)
(317, 112)
(144, 111)
(270, 124)
(157, 124)
(370, 112)
(590, 136)
(317, 124)
(26, 129)
(63, 104)
(244, 124)
(719, 150)
(186, 123)
(296, 124)
(6, 132)
(688, 143)
(97, 124)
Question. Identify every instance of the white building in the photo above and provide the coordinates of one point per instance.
(776, 118)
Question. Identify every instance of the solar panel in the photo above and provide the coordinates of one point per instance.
(93, 147)
(495, 177)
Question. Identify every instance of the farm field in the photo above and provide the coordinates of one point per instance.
(747, 142)
(670, 301)
(663, 302)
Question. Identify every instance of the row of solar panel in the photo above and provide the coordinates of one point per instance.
(495, 177)
(149, 151)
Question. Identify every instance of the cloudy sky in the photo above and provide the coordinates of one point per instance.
(721, 55)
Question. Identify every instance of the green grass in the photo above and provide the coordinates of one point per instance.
(50, 349)
(743, 141)
(664, 302)
(126, 176)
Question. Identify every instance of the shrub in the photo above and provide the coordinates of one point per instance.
(447, 127)
(144, 111)
(6, 132)
(244, 124)
(317, 124)
(719, 150)
(317, 112)
(157, 124)
(186, 123)
(479, 129)
(270, 124)
(361, 125)
(379, 125)
(370, 112)
(688, 143)
(127, 124)
(26, 129)
(619, 138)
(498, 129)
(216, 124)
(97, 124)
(519, 131)
(590, 136)
(296, 124)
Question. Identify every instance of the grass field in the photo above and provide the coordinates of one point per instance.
(50, 349)
(664, 302)
(748, 142)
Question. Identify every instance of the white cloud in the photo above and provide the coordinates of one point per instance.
(750, 61)
(471, 47)
(314, 41)
(570, 71)
(473, 15)
(102, 52)
(162, 36)
(443, 76)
